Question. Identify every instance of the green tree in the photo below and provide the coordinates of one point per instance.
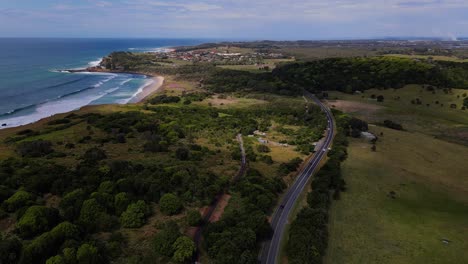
(17, 200)
(56, 260)
(87, 254)
(10, 249)
(36, 220)
(465, 102)
(170, 204)
(69, 255)
(165, 239)
(184, 248)
(135, 215)
(71, 203)
(121, 202)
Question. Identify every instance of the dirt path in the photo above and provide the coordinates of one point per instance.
(215, 211)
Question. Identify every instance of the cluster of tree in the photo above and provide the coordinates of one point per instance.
(353, 74)
(232, 80)
(170, 243)
(308, 235)
(244, 225)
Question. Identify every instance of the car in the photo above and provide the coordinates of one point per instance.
(282, 206)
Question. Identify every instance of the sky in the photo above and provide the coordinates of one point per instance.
(235, 19)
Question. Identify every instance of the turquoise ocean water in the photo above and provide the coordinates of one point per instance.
(31, 86)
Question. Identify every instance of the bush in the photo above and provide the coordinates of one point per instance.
(290, 166)
(263, 148)
(170, 204)
(94, 155)
(182, 153)
(34, 149)
(393, 125)
(164, 99)
(135, 215)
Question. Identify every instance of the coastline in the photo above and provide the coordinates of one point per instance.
(148, 90)
(145, 92)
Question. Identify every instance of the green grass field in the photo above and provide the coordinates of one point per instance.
(429, 179)
(437, 119)
(428, 176)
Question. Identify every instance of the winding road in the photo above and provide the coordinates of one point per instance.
(270, 250)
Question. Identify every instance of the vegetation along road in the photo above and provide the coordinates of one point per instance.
(271, 248)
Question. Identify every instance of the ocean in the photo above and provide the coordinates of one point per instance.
(32, 86)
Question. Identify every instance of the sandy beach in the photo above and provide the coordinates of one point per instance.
(149, 89)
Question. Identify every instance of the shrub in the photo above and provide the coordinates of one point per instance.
(182, 153)
(290, 166)
(263, 148)
(393, 125)
(34, 149)
(170, 204)
(194, 218)
(380, 98)
(94, 155)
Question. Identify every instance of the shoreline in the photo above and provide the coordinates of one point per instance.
(148, 90)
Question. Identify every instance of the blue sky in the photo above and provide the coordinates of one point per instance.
(245, 19)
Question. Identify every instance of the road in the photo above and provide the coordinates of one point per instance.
(270, 250)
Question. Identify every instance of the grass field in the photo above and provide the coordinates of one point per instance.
(431, 204)
(438, 120)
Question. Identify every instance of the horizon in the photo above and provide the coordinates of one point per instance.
(221, 19)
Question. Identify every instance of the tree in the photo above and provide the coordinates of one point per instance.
(194, 218)
(87, 254)
(56, 260)
(135, 215)
(170, 204)
(165, 239)
(71, 203)
(37, 219)
(380, 98)
(465, 102)
(17, 200)
(10, 249)
(121, 202)
(184, 248)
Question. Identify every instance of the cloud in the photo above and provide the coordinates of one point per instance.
(227, 18)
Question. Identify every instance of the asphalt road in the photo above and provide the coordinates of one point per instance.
(270, 250)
